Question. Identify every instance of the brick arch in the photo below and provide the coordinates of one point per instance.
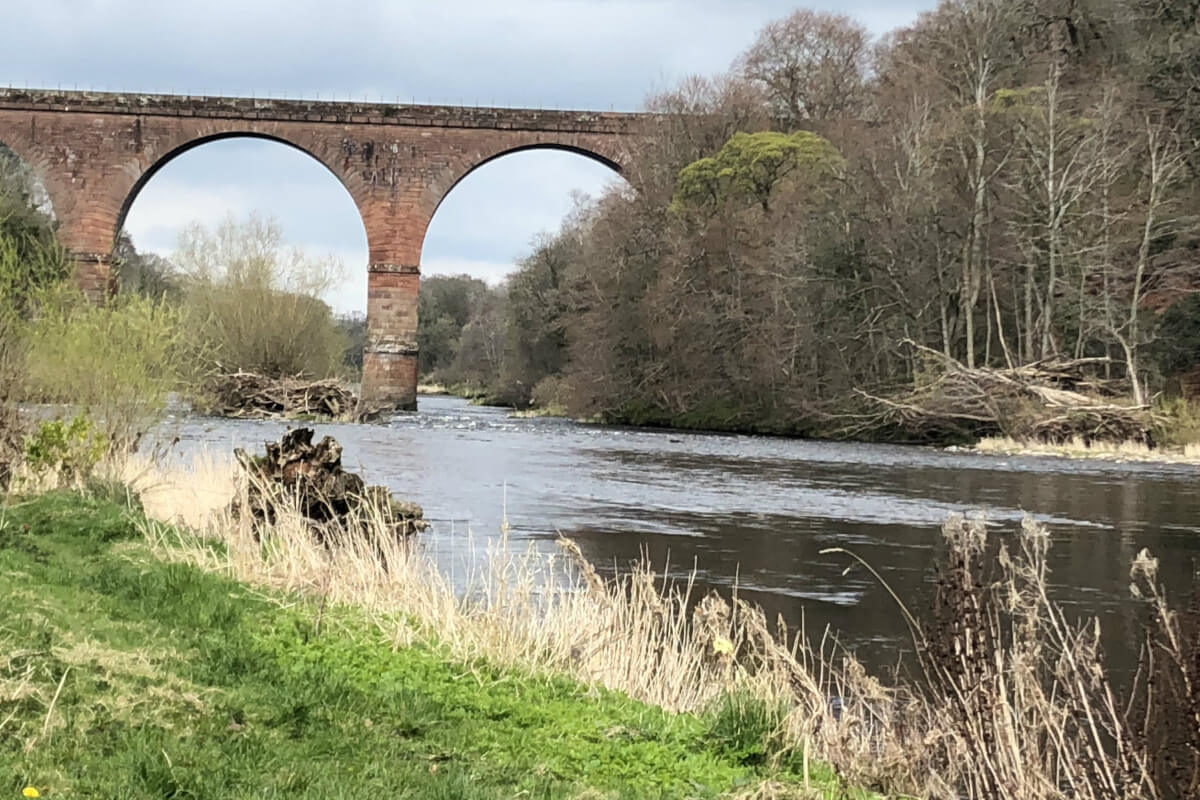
(156, 164)
(463, 173)
(467, 164)
(30, 157)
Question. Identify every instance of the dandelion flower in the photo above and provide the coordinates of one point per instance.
(30, 792)
(722, 646)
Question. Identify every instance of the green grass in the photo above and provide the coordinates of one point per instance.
(172, 682)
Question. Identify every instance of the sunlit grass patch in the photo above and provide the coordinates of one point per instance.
(130, 675)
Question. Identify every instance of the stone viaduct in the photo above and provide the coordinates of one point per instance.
(95, 151)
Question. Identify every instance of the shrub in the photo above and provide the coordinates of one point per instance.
(72, 448)
(254, 305)
(1178, 421)
(30, 263)
(117, 363)
(552, 394)
(30, 258)
(12, 365)
(354, 328)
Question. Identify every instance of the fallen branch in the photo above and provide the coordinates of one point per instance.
(1049, 401)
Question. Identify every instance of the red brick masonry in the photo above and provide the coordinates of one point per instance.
(95, 151)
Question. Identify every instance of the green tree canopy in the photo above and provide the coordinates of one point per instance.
(753, 165)
(446, 304)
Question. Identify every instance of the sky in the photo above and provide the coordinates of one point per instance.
(589, 54)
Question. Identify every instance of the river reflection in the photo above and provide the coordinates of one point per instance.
(755, 512)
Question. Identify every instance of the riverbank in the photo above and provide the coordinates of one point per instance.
(1079, 449)
(755, 707)
(1076, 448)
(476, 396)
(130, 667)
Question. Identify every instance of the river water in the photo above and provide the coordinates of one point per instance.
(755, 512)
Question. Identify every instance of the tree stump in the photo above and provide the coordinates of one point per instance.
(295, 473)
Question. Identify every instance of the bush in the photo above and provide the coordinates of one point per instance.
(552, 394)
(30, 263)
(30, 258)
(255, 306)
(11, 431)
(1178, 422)
(71, 448)
(273, 333)
(117, 363)
(354, 328)
(12, 370)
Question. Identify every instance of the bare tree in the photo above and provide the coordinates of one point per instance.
(1058, 163)
(812, 65)
(977, 39)
(1164, 164)
(960, 55)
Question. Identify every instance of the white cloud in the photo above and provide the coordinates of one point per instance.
(349, 294)
(166, 205)
(497, 210)
(491, 271)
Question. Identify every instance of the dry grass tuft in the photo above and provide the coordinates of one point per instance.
(772, 790)
(545, 612)
(1168, 710)
(1078, 448)
(1022, 691)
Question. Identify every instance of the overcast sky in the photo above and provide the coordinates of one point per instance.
(592, 54)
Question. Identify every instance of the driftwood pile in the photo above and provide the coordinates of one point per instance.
(295, 473)
(1050, 401)
(251, 395)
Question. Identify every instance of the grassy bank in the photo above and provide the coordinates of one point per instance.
(360, 664)
(127, 674)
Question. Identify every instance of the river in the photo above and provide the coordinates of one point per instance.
(755, 512)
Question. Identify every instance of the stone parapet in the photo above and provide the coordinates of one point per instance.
(327, 111)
